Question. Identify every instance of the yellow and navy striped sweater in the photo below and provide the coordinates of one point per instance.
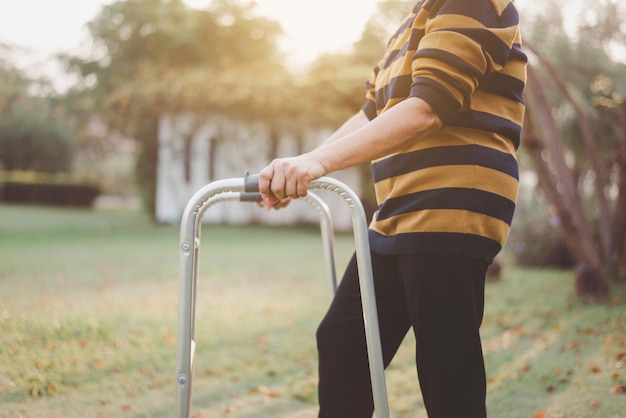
(454, 191)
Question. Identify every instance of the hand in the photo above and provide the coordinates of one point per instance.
(287, 178)
(278, 205)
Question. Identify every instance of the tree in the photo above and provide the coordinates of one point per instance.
(620, 207)
(336, 81)
(571, 136)
(153, 57)
(32, 137)
(334, 87)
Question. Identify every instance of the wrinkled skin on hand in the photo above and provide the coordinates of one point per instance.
(288, 178)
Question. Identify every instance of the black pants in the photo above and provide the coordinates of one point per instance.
(442, 298)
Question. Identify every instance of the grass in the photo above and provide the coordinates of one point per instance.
(88, 317)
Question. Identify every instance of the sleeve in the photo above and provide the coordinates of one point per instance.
(463, 41)
(369, 107)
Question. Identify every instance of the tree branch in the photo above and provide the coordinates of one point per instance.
(589, 144)
(563, 193)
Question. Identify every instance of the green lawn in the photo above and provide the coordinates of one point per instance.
(88, 314)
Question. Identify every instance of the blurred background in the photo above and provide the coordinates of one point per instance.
(138, 103)
(113, 113)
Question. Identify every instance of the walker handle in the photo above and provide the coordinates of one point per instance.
(250, 197)
(251, 183)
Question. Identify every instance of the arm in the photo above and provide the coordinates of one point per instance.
(355, 122)
(404, 123)
(393, 130)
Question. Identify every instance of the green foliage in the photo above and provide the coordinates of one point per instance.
(535, 239)
(335, 82)
(335, 88)
(33, 135)
(154, 54)
(581, 45)
(155, 57)
(31, 138)
(577, 61)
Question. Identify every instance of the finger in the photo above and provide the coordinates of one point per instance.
(302, 189)
(279, 204)
(291, 188)
(284, 203)
(265, 182)
(265, 178)
(277, 185)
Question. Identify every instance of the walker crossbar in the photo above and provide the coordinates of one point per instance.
(326, 225)
(246, 189)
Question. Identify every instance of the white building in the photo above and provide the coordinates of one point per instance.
(194, 151)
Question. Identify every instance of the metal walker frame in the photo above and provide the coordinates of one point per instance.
(246, 189)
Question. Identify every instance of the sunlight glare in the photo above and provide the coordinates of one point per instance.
(313, 28)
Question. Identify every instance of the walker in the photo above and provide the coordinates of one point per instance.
(245, 190)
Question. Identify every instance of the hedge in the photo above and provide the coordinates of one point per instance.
(26, 187)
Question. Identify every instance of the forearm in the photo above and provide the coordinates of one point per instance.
(363, 140)
(355, 142)
(353, 123)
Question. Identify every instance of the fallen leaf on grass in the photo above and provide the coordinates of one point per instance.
(543, 415)
(593, 405)
(620, 390)
(267, 392)
(594, 369)
(169, 337)
(158, 383)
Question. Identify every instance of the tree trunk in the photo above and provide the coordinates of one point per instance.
(565, 192)
(620, 208)
(548, 183)
(558, 182)
(147, 162)
(589, 144)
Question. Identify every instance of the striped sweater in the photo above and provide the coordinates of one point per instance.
(454, 191)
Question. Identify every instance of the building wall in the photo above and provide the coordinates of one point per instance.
(194, 151)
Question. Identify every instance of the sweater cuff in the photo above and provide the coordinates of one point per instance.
(443, 103)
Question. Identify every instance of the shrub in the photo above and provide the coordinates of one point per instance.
(31, 138)
(46, 189)
(535, 238)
